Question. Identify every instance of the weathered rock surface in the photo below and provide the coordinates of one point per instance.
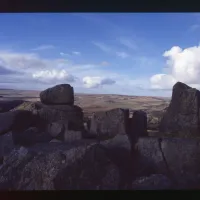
(15, 120)
(56, 129)
(138, 126)
(148, 157)
(6, 146)
(59, 167)
(6, 106)
(183, 159)
(153, 182)
(70, 136)
(30, 137)
(154, 118)
(182, 116)
(59, 94)
(53, 113)
(109, 123)
(118, 150)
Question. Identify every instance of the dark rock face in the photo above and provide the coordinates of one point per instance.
(182, 116)
(17, 120)
(29, 137)
(153, 182)
(59, 94)
(59, 167)
(138, 126)
(109, 123)
(182, 157)
(148, 157)
(6, 146)
(6, 106)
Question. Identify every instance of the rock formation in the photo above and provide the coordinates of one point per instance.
(182, 116)
(47, 145)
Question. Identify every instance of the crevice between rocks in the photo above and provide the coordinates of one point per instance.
(169, 173)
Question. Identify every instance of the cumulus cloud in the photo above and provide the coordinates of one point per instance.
(53, 75)
(43, 47)
(95, 81)
(122, 54)
(183, 65)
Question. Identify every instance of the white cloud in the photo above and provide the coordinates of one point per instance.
(122, 54)
(76, 53)
(43, 47)
(183, 65)
(53, 75)
(93, 82)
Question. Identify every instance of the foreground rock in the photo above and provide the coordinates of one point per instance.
(153, 182)
(30, 137)
(59, 94)
(109, 123)
(182, 116)
(59, 167)
(177, 158)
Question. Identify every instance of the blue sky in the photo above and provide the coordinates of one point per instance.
(123, 53)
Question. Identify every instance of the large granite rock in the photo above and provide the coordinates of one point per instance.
(137, 126)
(182, 116)
(16, 120)
(72, 115)
(7, 105)
(56, 166)
(30, 137)
(148, 157)
(59, 94)
(183, 159)
(6, 146)
(109, 123)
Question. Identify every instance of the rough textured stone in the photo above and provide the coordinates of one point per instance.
(59, 167)
(56, 129)
(148, 157)
(71, 114)
(183, 159)
(138, 126)
(7, 105)
(29, 137)
(55, 140)
(153, 182)
(70, 136)
(118, 150)
(16, 120)
(6, 146)
(182, 116)
(109, 123)
(59, 94)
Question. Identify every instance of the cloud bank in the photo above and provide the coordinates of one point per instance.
(183, 65)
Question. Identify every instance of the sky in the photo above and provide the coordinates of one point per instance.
(115, 53)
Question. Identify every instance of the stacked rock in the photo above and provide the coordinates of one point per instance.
(63, 120)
